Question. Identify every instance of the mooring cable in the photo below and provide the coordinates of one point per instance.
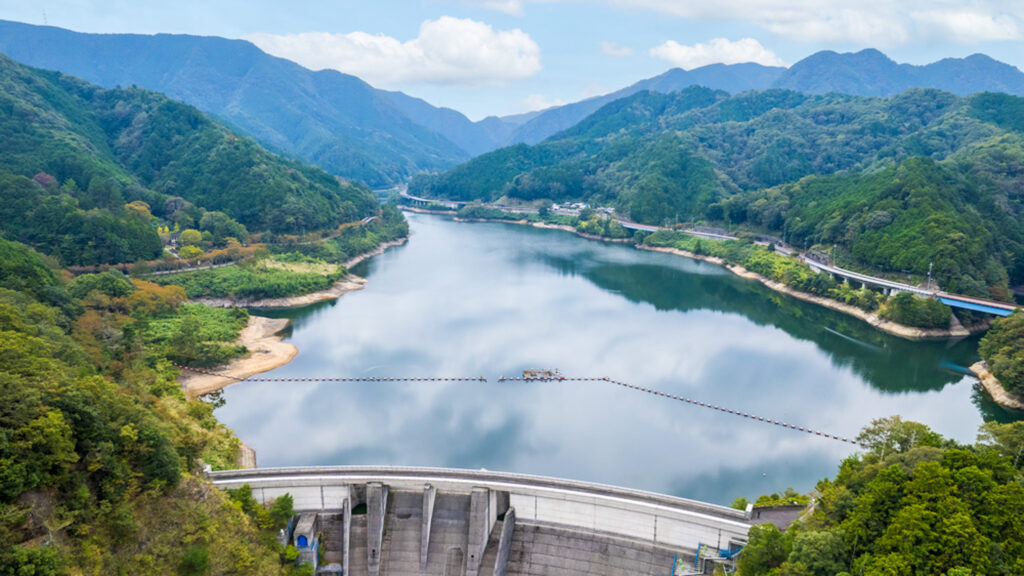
(667, 396)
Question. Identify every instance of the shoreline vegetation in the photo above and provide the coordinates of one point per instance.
(267, 350)
(295, 267)
(347, 283)
(262, 337)
(874, 319)
(988, 380)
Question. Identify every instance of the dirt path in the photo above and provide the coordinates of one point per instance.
(267, 351)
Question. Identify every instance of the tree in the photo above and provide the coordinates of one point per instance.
(190, 252)
(888, 435)
(282, 511)
(1008, 439)
(1003, 350)
(818, 554)
(191, 237)
(766, 549)
(739, 503)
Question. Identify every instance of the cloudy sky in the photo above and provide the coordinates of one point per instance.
(486, 57)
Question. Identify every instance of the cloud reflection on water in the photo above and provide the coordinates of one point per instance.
(492, 300)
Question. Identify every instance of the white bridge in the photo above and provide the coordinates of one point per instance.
(399, 520)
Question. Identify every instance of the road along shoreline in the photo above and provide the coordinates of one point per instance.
(876, 321)
(887, 326)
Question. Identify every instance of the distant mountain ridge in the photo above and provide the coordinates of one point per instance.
(334, 120)
(864, 73)
(356, 131)
(87, 174)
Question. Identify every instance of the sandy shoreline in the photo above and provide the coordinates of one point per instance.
(995, 388)
(887, 326)
(266, 351)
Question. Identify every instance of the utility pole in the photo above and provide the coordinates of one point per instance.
(929, 275)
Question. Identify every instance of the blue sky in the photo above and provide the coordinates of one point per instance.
(485, 57)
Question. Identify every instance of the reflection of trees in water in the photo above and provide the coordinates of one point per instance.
(887, 363)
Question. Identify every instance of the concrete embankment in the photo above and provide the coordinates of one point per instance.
(995, 388)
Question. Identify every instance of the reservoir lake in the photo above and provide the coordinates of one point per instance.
(491, 300)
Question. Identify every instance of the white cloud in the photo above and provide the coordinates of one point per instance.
(513, 7)
(719, 50)
(880, 23)
(540, 102)
(446, 51)
(966, 27)
(616, 50)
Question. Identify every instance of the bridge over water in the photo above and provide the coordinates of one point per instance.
(403, 520)
(890, 287)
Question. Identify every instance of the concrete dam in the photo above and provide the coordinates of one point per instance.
(397, 521)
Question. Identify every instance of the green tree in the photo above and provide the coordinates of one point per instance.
(1003, 350)
(1008, 439)
(767, 548)
(817, 554)
(190, 252)
(191, 237)
(895, 435)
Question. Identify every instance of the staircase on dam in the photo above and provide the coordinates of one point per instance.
(402, 528)
(490, 558)
(332, 537)
(449, 542)
(357, 560)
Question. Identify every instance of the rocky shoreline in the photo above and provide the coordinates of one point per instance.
(995, 388)
(887, 326)
(876, 321)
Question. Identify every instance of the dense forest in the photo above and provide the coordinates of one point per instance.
(912, 503)
(923, 179)
(87, 175)
(99, 449)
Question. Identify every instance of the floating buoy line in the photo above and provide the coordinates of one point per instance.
(543, 376)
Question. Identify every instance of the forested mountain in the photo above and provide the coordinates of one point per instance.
(730, 78)
(333, 120)
(898, 183)
(351, 129)
(864, 73)
(87, 174)
(871, 73)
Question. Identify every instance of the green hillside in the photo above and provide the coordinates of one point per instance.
(87, 174)
(100, 452)
(895, 184)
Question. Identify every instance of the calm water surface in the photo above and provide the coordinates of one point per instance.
(495, 299)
